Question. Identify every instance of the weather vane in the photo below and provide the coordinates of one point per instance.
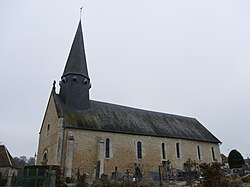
(81, 12)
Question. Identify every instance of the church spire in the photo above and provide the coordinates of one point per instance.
(76, 63)
(75, 82)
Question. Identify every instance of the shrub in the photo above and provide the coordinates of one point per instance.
(212, 175)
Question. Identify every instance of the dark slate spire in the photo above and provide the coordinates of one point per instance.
(75, 82)
(76, 63)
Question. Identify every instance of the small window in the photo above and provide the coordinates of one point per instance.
(198, 152)
(163, 151)
(107, 148)
(48, 127)
(178, 150)
(64, 80)
(213, 155)
(85, 81)
(139, 150)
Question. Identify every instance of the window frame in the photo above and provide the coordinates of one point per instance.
(178, 151)
(163, 150)
(107, 148)
(139, 150)
(45, 157)
(198, 152)
(48, 128)
(213, 154)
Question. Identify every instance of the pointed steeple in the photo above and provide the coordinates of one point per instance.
(76, 63)
(75, 81)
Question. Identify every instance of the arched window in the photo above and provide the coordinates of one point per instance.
(139, 150)
(178, 150)
(213, 155)
(198, 152)
(107, 148)
(45, 158)
(163, 151)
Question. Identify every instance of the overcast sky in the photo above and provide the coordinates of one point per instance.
(185, 57)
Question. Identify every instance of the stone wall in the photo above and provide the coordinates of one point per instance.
(89, 148)
(48, 138)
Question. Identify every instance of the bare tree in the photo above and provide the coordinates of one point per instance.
(24, 161)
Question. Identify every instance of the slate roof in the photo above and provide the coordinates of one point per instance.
(6, 159)
(121, 119)
(76, 63)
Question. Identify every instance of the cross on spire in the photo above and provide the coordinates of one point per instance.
(81, 12)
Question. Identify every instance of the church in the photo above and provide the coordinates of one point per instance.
(82, 135)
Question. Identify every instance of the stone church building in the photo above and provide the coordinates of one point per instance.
(84, 135)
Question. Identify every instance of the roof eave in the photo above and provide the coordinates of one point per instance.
(142, 134)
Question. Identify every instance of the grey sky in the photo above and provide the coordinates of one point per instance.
(183, 57)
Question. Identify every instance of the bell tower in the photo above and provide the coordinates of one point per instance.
(75, 81)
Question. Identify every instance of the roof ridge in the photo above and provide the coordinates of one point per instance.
(145, 110)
